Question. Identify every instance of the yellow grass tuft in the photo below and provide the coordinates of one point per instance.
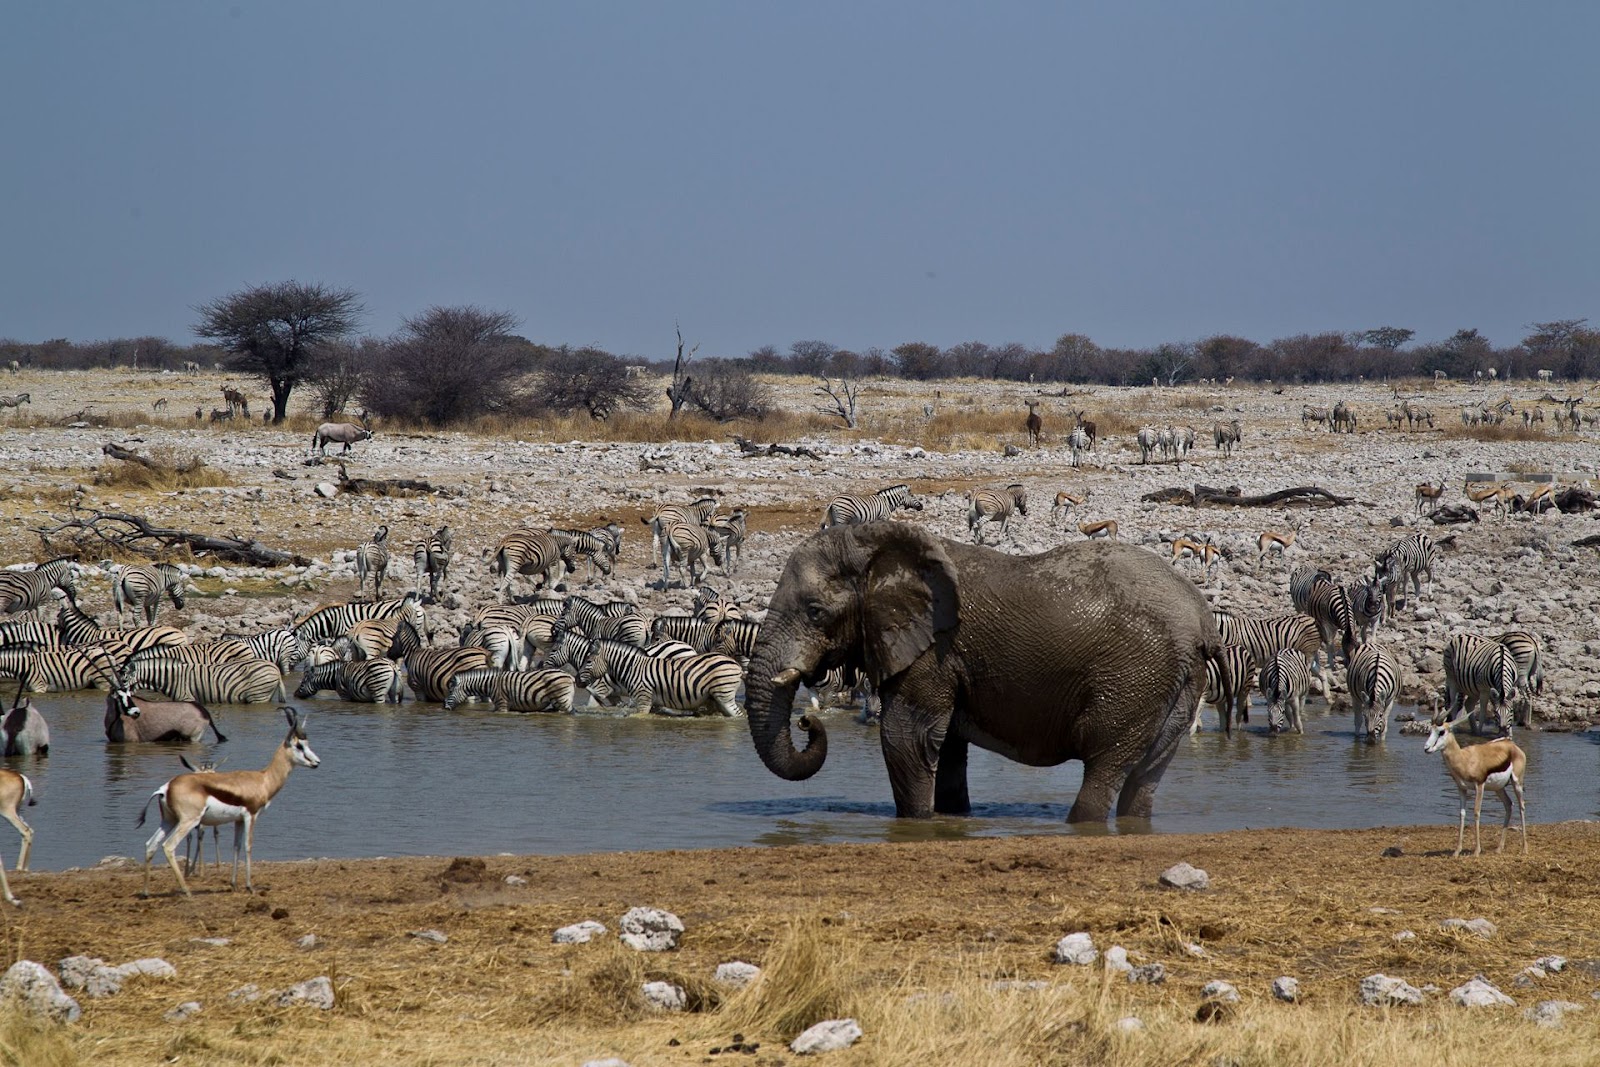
(26, 1042)
(811, 974)
(177, 470)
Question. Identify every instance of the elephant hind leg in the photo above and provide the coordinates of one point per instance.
(950, 777)
(1137, 798)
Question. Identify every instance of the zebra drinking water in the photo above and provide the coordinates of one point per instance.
(1480, 673)
(648, 683)
(1374, 681)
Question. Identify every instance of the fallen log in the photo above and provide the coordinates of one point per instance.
(116, 451)
(756, 448)
(1453, 514)
(135, 533)
(1233, 496)
(387, 486)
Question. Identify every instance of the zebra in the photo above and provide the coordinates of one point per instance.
(368, 681)
(568, 648)
(1343, 419)
(736, 638)
(691, 542)
(730, 529)
(29, 635)
(1263, 637)
(995, 505)
(532, 553)
(698, 513)
(1078, 441)
(1330, 607)
(1301, 581)
(588, 614)
(429, 670)
(683, 685)
(541, 690)
(710, 604)
(1185, 439)
(379, 639)
(141, 587)
(1524, 648)
(594, 547)
(1410, 557)
(1368, 605)
(1285, 681)
(30, 590)
(1309, 415)
(1225, 436)
(1228, 679)
(697, 633)
(332, 620)
(633, 628)
(1148, 440)
(237, 682)
(841, 685)
(1374, 681)
(372, 557)
(13, 400)
(504, 643)
(854, 509)
(431, 557)
(77, 627)
(1480, 672)
(59, 670)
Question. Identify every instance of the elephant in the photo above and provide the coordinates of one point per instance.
(1094, 651)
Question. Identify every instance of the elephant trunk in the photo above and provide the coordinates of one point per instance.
(769, 699)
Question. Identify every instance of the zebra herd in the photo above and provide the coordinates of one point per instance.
(1492, 680)
(1174, 442)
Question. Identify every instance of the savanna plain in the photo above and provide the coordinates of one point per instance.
(940, 949)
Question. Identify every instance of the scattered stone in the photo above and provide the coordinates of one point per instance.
(1480, 993)
(1379, 990)
(436, 937)
(1481, 927)
(326, 490)
(651, 929)
(1226, 992)
(578, 933)
(246, 994)
(516, 879)
(1392, 852)
(829, 1036)
(1286, 989)
(313, 993)
(1549, 1013)
(1185, 876)
(1406, 935)
(1130, 1024)
(1076, 949)
(149, 968)
(35, 990)
(664, 996)
(612, 1062)
(1148, 974)
(1551, 964)
(214, 942)
(307, 942)
(75, 970)
(1117, 959)
(1193, 948)
(183, 1012)
(737, 973)
(1384, 911)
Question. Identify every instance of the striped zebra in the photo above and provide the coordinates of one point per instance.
(1263, 637)
(431, 558)
(568, 648)
(376, 639)
(59, 670)
(736, 638)
(77, 627)
(1225, 436)
(594, 547)
(633, 628)
(588, 614)
(238, 682)
(1228, 679)
(712, 605)
(207, 652)
(699, 513)
(531, 553)
(12, 400)
(730, 530)
(1408, 558)
(332, 620)
(541, 690)
(1524, 649)
(1301, 581)
(841, 686)
(1078, 441)
(667, 648)
(1148, 440)
(1368, 606)
(691, 543)
(503, 642)
(681, 685)
(995, 505)
(854, 509)
(1480, 673)
(698, 633)
(368, 681)
(140, 588)
(429, 670)
(30, 590)
(1285, 683)
(1374, 682)
(29, 635)
(372, 558)
(1330, 607)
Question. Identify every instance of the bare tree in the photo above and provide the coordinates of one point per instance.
(271, 331)
(726, 390)
(682, 387)
(844, 400)
(339, 373)
(447, 364)
(594, 381)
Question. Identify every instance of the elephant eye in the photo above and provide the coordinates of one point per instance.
(815, 611)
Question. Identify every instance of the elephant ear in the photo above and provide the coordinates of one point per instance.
(909, 594)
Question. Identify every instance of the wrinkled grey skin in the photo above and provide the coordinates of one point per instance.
(1093, 651)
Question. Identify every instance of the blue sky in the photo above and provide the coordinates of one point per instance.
(861, 173)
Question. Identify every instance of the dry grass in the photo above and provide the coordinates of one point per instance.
(811, 973)
(1506, 431)
(26, 1042)
(177, 470)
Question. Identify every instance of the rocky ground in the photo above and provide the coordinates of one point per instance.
(1499, 572)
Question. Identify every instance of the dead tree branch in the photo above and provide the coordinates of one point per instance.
(387, 486)
(120, 529)
(844, 400)
(1307, 495)
(681, 391)
(756, 448)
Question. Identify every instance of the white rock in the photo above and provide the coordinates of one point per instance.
(1286, 989)
(1148, 974)
(35, 990)
(183, 1012)
(1117, 959)
(829, 1036)
(306, 942)
(214, 942)
(1549, 1013)
(1130, 1024)
(326, 490)
(246, 994)
(664, 996)
(650, 929)
(1185, 876)
(1381, 990)
(436, 937)
(148, 968)
(1224, 992)
(609, 1062)
(1076, 949)
(313, 993)
(75, 970)
(1479, 993)
(1551, 964)
(578, 933)
(1406, 935)
(737, 973)
(1481, 927)
(516, 879)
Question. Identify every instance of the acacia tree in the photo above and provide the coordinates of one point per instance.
(274, 331)
(447, 364)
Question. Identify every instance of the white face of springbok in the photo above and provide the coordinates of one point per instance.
(300, 754)
(1442, 726)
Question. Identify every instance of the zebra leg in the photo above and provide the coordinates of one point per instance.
(950, 776)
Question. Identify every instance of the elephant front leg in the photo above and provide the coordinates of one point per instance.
(911, 739)
(950, 777)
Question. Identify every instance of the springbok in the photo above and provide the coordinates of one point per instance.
(1205, 551)
(195, 844)
(1488, 493)
(1035, 424)
(1541, 499)
(215, 798)
(1272, 541)
(1497, 765)
(1065, 501)
(1104, 528)
(15, 790)
(1428, 495)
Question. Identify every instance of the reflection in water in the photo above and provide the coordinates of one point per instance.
(548, 784)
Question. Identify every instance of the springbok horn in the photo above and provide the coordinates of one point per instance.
(787, 676)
